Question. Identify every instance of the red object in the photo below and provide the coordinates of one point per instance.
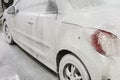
(95, 40)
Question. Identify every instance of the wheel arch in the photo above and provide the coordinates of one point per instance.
(64, 52)
(60, 55)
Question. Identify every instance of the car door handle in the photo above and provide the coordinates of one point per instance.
(30, 21)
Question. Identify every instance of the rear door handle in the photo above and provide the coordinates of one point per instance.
(30, 21)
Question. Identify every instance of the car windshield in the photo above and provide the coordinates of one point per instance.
(78, 4)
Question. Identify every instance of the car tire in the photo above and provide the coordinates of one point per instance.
(8, 35)
(71, 68)
(5, 4)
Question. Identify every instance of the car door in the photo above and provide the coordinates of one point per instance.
(45, 33)
(25, 23)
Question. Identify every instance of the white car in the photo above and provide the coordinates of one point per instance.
(75, 38)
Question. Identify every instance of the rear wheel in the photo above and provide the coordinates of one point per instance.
(8, 35)
(71, 68)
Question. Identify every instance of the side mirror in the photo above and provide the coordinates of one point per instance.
(11, 10)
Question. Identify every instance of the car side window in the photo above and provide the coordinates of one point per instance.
(32, 5)
(52, 6)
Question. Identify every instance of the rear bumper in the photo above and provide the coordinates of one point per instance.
(106, 68)
(115, 68)
(111, 68)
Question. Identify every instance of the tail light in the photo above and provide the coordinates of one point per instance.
(104, 42)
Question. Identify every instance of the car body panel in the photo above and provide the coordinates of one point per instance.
(44, 34)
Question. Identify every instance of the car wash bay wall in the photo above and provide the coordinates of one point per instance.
(0, 11)
(0, 7)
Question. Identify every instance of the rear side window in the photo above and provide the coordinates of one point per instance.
(51, 6)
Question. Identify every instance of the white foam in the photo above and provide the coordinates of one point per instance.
(12, 77)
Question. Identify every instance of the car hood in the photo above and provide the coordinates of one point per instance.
(104, 17)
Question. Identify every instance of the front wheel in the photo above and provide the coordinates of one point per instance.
(8, 35)
(71, 68)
